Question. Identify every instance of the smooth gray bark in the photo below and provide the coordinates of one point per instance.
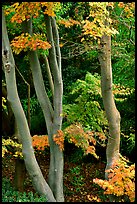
(113, 115)
(49, 74)
(53, 116)
(32, 166)
(56, 155)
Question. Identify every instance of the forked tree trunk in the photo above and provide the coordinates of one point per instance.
(32, 166)
(112, 113)
(56, 155)
(52, 115)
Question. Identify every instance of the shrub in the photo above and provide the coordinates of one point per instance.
(86, 140)
(120, 183)
(11, 147)
(10, 195)
(86, 105)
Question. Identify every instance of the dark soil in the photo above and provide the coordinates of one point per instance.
(78, 176)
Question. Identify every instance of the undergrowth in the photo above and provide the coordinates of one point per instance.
(9, 194)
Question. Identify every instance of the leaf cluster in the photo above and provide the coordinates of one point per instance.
(95, 24)
(39, 142)
(26, 10)
(121, 181)
(26, 41)
(59, 139)
(86, 140)
(11, 147)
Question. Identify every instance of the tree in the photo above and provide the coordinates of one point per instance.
(99, 26)
(53, 118)
(113, 116)
(100, 32)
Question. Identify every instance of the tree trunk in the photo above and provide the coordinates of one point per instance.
(56, 155)
(112, 113)
(20, 173)
(53, 116)
(32, 166)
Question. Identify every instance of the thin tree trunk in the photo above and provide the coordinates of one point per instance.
(32, 166)
(112, 113)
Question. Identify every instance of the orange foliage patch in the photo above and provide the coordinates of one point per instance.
(121, 181)
(26, 10)
(40, 142)
(69, 22)
(86, 140)
(26, 41)
(59, 139)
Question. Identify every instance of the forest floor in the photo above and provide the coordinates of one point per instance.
(78, 176)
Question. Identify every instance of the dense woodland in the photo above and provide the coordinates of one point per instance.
(68, 102)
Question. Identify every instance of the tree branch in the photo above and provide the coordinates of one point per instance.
(56, 40)
(49, 74)
(28, 94)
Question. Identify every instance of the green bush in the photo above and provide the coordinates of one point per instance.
(86, 104)
(10, 195)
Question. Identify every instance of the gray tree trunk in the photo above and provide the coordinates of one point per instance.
(56, 158)
(32, 166)
(112, 113)
(52, 115)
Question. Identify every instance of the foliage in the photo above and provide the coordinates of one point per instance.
(95, 23)
(26, 41)
(126, 105)
(39, 142)
(34, 105)
(3, 103)
(123, 45)
(127, 146)
(85, 140)
(37, 119)
(68, 23)
(85, 93)
(76, 155)
(10, 195)
(121, 92)
(11, 147)
(77, 178)
(121, 181)
(125, 102)
(25, 10)
(130, 145)
(123, 61)
(87, 103)
(59, 139)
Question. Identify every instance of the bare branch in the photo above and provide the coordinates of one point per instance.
(28, 94)
(49, 74)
